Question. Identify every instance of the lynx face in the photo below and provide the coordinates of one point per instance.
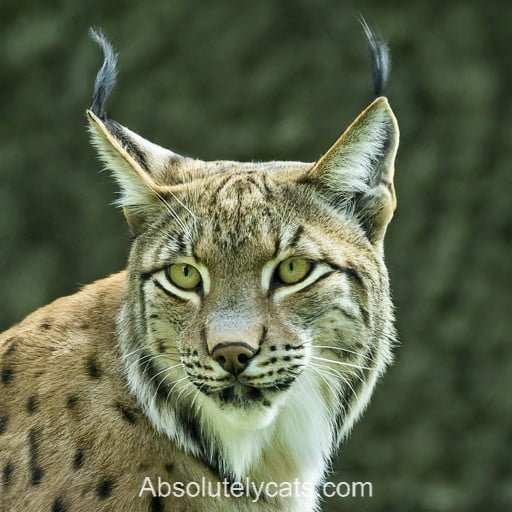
(258, 312)
(237, 295)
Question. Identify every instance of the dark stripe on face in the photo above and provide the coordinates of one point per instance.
(316, 281)
(157, 382)
(167, 292)
(296, 237)
(264, 331)
(219, 188)
(351, 272)
(181, 244)
(365, 315)
(142, 302)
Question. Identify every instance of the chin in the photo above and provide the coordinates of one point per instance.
(248, 407)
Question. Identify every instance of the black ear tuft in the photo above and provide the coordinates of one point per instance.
(106, 77)
(379, 57)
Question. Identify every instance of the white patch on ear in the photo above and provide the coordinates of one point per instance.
(363, 156)
(137, 185)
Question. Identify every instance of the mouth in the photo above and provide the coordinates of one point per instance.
(242, 396)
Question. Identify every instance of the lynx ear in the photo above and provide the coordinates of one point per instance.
(356, 173)
(135, 163)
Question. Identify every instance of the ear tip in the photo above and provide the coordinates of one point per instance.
(92, 117)
(382, 103)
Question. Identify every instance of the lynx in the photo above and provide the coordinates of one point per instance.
(238, 348)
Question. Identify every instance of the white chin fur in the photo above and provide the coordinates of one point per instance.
(250, 419)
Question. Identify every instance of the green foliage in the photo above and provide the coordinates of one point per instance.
(280, 80)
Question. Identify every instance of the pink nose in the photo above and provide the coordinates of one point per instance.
(233, 357)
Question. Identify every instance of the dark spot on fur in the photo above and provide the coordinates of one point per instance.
(161, 346)
(3, 423)
(46, 326)
(128, 413)
(153, 316)
(78, 459)
(32, 404)
(58, 506)
(36, 475)
(266, 403)
(92, 368)
(286, 358)
(71, 401)
(7, 375)
(85, 326)
(273, 359)
(287, 346)
(169, 468)
(156, 504)
(273, 348)
(7, 473)
(36, 471)
(104, 489)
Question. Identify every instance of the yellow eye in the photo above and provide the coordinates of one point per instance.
(184, 275)
(293, 270)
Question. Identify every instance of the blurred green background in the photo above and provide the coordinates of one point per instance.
(281, 80)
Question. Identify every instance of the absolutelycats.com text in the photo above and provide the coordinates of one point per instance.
(253, 490)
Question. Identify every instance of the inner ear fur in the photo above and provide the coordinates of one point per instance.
(356, 173)
(134, 163)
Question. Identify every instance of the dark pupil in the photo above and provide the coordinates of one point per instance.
(290, 266)
(186, 270)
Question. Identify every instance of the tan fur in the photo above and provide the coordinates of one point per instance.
(117, 383)
(77, 408)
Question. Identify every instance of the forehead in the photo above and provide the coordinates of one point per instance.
(233, 213)
(236, 203)
(239, 213)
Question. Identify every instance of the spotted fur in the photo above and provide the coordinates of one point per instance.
(117, 382)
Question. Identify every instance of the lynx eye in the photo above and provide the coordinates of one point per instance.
(292, 270)
(184, 275)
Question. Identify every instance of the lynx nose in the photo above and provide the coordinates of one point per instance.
(233, 357)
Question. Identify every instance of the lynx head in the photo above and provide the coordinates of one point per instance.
(258, 308)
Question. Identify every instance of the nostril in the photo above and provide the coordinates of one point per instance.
(233, 357)
(243, 358)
